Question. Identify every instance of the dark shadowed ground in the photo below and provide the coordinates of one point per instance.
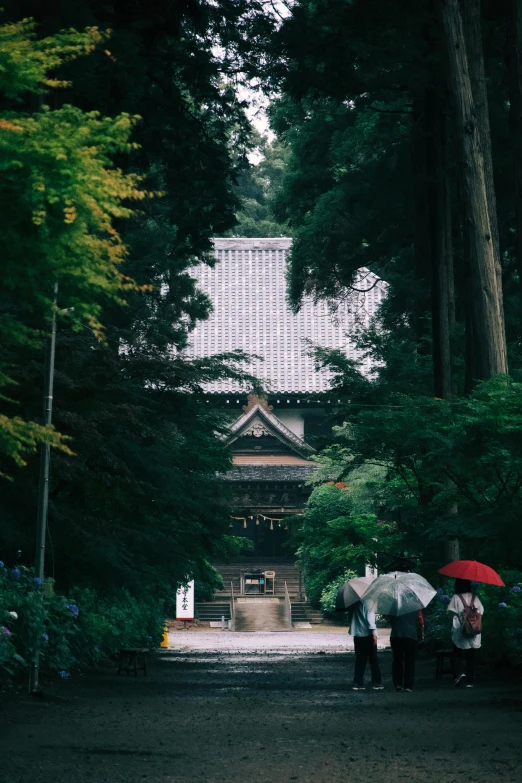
(265, 717)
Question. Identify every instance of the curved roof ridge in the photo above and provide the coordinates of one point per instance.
(261, 411)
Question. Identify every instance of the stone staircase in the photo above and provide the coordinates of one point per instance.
(305, 613)
(212, 612)
(260, 614)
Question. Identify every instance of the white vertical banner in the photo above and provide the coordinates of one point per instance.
(185, 602)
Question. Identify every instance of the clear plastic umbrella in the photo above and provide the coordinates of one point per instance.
(351, 592)
(398, 593)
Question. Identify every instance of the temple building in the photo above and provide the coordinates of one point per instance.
(272, 434)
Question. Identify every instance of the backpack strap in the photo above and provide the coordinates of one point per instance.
(466, 606)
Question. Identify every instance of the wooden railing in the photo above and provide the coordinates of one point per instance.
(232, 608)
(288, 609)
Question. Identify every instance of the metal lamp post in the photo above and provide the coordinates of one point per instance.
(43, 482)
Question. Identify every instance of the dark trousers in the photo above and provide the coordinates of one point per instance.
(469, 657)
(365, 650)
(403, 664)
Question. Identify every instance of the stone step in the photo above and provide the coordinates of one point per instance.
(303, 612)
(210, 612)
(261, 616)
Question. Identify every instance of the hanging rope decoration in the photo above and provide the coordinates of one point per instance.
(277, 520)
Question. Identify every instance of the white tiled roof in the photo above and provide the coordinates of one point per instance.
(248, 293)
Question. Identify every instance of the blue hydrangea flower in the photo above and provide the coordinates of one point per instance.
(2, 564)
(16, 573)
(440, 592)
(149, 638)
(64, 675)
(37, 580)
(73, 609)
(6, 631)
(446, 599)
(516, 589)
(45, 637)
(474, 585)
(502, 605)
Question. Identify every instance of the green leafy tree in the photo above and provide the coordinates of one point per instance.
(334, 538)
(257, 189)
(140, 503)
(60, 198)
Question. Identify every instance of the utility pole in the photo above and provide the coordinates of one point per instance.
(43, 482)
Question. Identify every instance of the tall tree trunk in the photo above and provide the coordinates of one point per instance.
(470, 10)
(422, 244)
(487, 301)
(442, 288)
(514, 65)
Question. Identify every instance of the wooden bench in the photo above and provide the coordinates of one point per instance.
(441, 657)
(133, 659)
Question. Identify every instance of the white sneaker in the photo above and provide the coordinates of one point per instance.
(358, 688)
(469, 685)
(378, 687)
(408, 690)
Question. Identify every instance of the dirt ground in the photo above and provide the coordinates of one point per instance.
(268, 717)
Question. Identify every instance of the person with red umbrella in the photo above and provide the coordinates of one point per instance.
(467, 612)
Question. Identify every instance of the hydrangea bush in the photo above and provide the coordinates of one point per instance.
(72, 632)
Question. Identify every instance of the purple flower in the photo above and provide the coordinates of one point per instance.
(502, 605)
(64, 675)
(15, 573)
(446, 599)
(516, 589)
(45, 637)
(6, 631)
(37, 580)
(73, 609)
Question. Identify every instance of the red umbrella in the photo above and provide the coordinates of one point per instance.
(472, 570)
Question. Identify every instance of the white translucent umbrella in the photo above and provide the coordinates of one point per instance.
(398, 593)
(351, 592)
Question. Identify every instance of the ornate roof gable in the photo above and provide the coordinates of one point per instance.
(258, 420)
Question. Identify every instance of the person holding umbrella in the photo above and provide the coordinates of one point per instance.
(467, 612)
(362, 628)
(403, 639)
(364, 632)
(401, 595)
(465, 633)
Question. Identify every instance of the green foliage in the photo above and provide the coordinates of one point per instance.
(334, 538)
(139, 502)
(256, 190)
(329, 594)
(59, 199)
(26, 62)
(443, 468)
(83, 629)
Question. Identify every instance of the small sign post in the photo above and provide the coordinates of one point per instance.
(185, 602)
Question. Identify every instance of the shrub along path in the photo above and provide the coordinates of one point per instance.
(272, 718)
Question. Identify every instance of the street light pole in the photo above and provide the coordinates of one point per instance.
(43, 482)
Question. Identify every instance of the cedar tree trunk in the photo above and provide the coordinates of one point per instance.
(487, 302)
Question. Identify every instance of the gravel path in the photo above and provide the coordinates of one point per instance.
(261, 715)
(289, 641)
